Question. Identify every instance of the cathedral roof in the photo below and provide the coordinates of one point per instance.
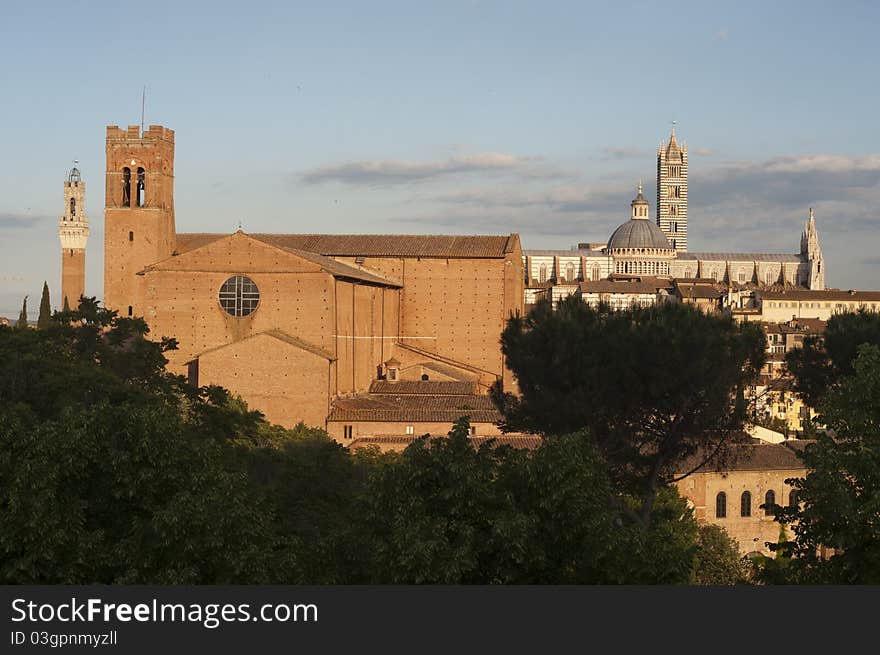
(638, 233)
(379, 245)
(739, 257)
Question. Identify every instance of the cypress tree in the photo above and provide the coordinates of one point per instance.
(22, 318)
(45, 309)
(66, 305)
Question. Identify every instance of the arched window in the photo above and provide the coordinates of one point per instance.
(72, 207)
(768, 278)
(769, 502)
(131, 236)
(715, 275)
(542, 273)
(569, 272)
(745, 504)
(596, 274)
(721, 505)
(141, 187)
(126, 187)
(792, 498)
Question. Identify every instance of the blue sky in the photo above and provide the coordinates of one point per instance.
(458, 117)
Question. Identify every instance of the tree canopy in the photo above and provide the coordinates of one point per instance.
(651, 385)
(824, 360)
(838, 503)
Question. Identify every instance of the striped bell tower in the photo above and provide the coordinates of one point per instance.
(672, 192)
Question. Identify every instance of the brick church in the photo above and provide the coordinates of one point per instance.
(316, 328)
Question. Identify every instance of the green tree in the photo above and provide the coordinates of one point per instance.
(445, 512)
(22, 317)
(838, 504)
(45, 309)
(115, 471)
(824, 361)
(718, 561)
(651, 385)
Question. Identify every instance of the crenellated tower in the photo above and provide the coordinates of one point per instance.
(138, 211)
(672, 192)
(812, 254)
(73, 230)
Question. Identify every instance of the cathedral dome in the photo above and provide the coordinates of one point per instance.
(638, 233)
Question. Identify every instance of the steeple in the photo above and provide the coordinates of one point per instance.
(73, 230)
(811, 254)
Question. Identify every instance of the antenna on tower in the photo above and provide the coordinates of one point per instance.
(143, 102)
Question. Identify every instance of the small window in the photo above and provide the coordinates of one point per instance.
(347, 431)
(769, 502)
(392, 373)
(745, 505)
(72, 207)
(126, 187)
(542, 273)
(569, 272)
(793, 498)
(473, 430)
(425, 377)
(721, 505)
(410, 429)
(131, 236)
(130, 310)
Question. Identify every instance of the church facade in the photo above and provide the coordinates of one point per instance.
(640, 247)
(294, 323)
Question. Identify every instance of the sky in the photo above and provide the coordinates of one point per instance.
(448, 117)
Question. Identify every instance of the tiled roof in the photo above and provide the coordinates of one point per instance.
(827, 294)
(397, 245)
(413, 408)
(738, 256)
(423, 387)
(580, 252)
(755, 455)
(645, 285)
(699, 291)
(519, 441)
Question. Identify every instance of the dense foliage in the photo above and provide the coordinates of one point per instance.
(836, 522)
(651, 385)
(825, 360)
(114, 471)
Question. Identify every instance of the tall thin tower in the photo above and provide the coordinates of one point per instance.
(672, 192)
(73, 230)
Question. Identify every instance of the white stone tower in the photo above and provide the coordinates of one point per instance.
(672, 192)
(73, 229)
(812, 253)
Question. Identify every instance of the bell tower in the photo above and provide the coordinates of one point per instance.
(672, 192)
(73, 230)
(138, 211)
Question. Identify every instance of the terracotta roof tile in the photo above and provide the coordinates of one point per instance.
(423, 387)
(827, 294)
(397, 245)
(413, 408)
(755, 455)
(518, 441)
